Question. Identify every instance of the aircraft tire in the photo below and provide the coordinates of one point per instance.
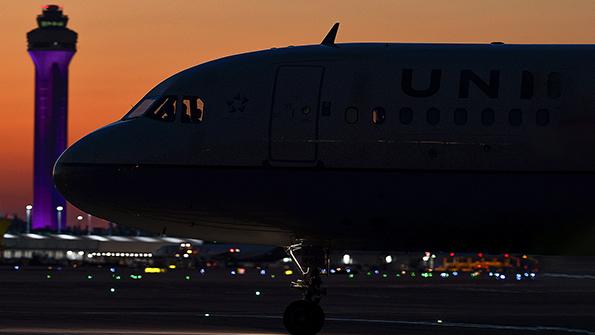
(303, 317)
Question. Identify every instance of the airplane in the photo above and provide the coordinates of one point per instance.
(380, 146)
(220, 254)
(240, 255)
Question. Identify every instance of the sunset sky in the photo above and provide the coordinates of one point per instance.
(127, 46)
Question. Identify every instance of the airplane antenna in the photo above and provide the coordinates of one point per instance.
(329, 39)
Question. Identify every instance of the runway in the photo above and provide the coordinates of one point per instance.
(99, 301)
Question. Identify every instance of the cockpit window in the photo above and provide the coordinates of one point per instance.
(164, 109)
(139, 109)
(192, 109)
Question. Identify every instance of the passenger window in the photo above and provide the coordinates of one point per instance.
(406, 115)
(488, 117)
(193, 110)
(554, 85)
(515, 117)
(164, 110)
(139, 109)
(542, 117)
(460, 116)
(433, 116)
(378, 115)
(351, 115)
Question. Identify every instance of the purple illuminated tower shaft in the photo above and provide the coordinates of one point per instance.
(51, 46)
(51, 107)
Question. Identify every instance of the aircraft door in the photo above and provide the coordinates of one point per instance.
(294, 115)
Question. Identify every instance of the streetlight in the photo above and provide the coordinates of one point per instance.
(28, 209)
(80, 219)
(89, 229)
(59, 210)
(346, 259)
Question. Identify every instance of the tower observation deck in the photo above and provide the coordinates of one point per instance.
(51, 46)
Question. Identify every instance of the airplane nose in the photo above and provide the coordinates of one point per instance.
(71, 170)
(58, 176)
(116, 168)
(79, 173)
(84, 184)
(64, 175)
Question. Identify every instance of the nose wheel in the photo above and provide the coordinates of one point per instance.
(306, 317)
(303, 317)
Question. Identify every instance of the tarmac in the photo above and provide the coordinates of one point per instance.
(88, 300)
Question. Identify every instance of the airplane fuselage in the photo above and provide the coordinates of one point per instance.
(382, 146)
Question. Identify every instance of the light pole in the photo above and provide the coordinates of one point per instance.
(28, 209)
(59, 210)
(89, 224)
(80, 220)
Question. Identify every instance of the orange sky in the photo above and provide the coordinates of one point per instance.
(127, 46)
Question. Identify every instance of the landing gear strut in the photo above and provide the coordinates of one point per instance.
(305, 317)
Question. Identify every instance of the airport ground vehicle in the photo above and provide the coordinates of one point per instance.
(505, 263)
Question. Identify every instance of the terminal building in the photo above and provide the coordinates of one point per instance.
(65, 247)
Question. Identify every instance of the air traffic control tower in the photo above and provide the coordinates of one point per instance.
(51, 46)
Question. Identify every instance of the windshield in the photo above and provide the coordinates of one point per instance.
(139, 109)
(162, 109)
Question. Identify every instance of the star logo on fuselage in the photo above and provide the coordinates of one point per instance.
(237, 103)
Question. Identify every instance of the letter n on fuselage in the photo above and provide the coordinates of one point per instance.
(490, 88)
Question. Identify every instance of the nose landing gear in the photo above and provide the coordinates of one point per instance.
(306, 317)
